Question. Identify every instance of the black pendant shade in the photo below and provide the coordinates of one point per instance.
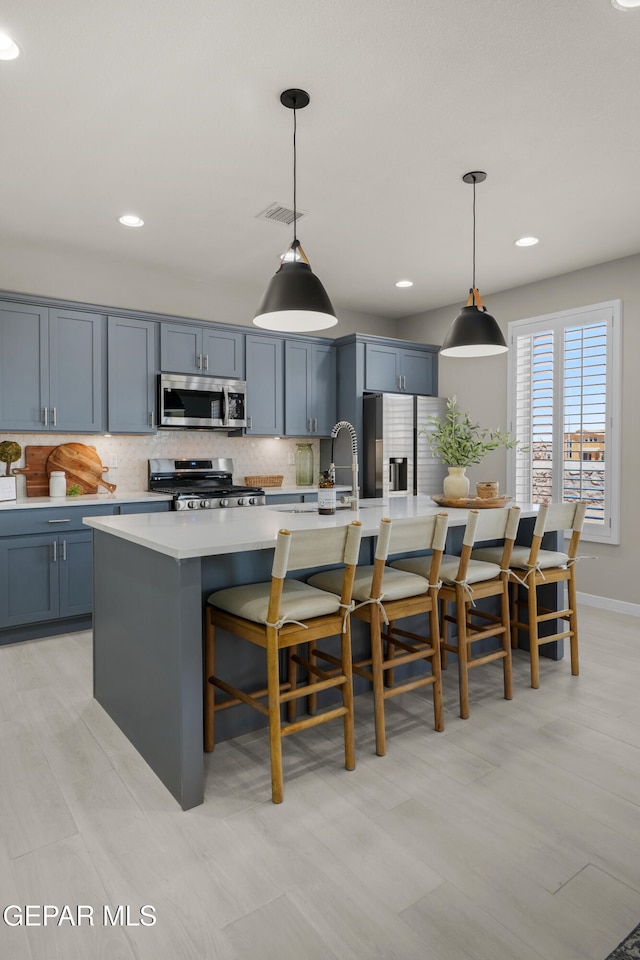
(474, 332)
(295, 300)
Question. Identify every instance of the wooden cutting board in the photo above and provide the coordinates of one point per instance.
(81, 464)
(35, 470)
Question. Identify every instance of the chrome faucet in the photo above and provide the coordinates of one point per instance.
(353, 499)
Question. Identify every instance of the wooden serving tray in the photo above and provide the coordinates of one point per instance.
(471, 503)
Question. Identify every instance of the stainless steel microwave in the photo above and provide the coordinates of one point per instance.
(201, 403)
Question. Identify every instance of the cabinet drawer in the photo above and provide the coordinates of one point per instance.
(54, 520)
(145, 506)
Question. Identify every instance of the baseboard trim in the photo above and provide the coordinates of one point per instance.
(606, 603)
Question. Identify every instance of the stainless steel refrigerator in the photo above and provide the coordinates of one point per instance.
(397, 460)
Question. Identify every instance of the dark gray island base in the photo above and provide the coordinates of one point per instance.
(148, 643)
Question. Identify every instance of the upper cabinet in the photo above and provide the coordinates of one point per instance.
(132, 375)
(265, 385)
(202, 349)
(310, 388)
(400, 369)
(51, 369)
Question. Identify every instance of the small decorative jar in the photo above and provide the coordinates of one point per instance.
(304, 465)
(57, 484)
(488, 489)
(326, 494)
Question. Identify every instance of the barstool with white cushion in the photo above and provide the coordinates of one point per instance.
(464, 581)
(384, 594)
(534, 567)
(280, 614)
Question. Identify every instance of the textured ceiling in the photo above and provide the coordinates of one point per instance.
(170, 109)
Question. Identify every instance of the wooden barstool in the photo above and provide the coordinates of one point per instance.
(281, 614)
(385, 595)
(464, 581)
(534, 567)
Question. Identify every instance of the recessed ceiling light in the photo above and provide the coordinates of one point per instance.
(130, 220)
(404, 283)
(527, 242)
(625, 4)
(9, 49)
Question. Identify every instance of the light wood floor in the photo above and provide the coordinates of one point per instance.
(514, 835)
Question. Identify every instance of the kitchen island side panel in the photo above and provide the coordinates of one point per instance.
(148, 658)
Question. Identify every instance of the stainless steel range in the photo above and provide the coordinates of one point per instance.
(201, 484)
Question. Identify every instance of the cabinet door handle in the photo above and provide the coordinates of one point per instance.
(150, 418)
(54, 417)
(64, 549)
(206, 361)
(45, 411)
(55, 551)
(199, 361)
(249, 423)
(404, 382)
(68, 520)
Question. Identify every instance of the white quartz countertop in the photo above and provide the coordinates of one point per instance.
(84, 500)
(184, 535)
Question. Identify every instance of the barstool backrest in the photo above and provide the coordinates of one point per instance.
(490, 524)
(298, 549)
(558, 516)
(407, 536)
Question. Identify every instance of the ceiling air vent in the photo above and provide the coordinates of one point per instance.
(280, 213)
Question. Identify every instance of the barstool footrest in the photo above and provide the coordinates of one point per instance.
(313, 721)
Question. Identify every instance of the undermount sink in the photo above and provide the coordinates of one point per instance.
(313, 507)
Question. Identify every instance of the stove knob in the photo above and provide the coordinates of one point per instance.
(242, 501)
(204, 504)
(253, 501)
(224, 503)
(192, 504)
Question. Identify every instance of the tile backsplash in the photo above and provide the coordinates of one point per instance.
(263, 456)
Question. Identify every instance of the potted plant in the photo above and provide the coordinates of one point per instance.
(459, 442)
(10, 451)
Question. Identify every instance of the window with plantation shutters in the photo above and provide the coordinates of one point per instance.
(564, 407)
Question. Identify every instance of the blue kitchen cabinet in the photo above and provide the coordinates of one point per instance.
(75, 574)
(224, 352)
(132, 370)
(29, 590)
(202, 349)
(310, 388)
(46, 567)
(51, 369)
(399, 369)
(265, 385)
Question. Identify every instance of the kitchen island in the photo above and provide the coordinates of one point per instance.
(152, 575)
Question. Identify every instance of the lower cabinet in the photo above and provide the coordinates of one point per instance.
(46, 565)
(45, 578)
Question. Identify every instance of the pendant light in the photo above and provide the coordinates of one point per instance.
(295, 300)
(474, 332)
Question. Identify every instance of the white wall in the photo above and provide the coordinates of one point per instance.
(481, 386)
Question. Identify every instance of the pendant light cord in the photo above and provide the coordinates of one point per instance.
(474, 234)
(295, 178)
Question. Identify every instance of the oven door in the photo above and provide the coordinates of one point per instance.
(201, 403)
